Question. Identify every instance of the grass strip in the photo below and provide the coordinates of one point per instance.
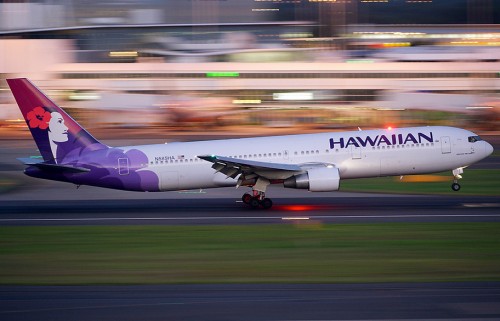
(312, 252)
(474, 182)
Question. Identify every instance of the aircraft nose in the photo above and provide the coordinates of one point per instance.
(488, 149)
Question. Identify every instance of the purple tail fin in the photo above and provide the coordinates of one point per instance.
(59, 137)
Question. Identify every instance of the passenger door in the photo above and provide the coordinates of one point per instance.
(445, 145)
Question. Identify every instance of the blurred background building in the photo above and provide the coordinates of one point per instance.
(233, 64)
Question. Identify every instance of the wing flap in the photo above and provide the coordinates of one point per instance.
(249, 169)
(245, 164)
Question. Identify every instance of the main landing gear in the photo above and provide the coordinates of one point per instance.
(257, 198)
(456, 176)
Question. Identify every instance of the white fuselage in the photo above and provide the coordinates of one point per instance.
(357, 154)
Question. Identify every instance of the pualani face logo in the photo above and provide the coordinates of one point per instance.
(394, 139)
(53, 122)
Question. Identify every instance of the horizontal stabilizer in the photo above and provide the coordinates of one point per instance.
(54, 168)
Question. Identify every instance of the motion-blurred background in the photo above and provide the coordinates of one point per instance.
(159, 70)
(255, 66)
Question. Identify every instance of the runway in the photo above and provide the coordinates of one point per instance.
(438, 301)
(368, 209)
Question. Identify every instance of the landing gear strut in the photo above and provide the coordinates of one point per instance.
(258, 197)
(456, 174)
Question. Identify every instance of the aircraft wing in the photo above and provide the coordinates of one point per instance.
(232, 167)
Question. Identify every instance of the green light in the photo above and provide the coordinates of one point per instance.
(216, 74)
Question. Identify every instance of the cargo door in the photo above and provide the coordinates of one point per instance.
(169, 180)
(123, 166)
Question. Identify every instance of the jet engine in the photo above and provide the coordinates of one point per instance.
(318, 179)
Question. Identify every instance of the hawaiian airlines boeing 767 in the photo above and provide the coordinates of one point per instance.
(316, 162)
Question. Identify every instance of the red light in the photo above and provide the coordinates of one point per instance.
(300, 207)
(389, 128)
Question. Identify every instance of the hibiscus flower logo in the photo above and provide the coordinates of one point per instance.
(38, 118)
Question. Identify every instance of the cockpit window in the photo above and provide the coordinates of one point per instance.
(473, 139)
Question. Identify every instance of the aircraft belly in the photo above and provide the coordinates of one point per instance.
(192, 177)
(357, 169)
(169, 180)
(395, 166)
(391, 163)
(419, 162)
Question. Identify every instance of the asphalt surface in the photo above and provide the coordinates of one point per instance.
(439, 301)
(366, 209)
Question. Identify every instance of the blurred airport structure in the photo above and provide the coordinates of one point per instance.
(297, 64)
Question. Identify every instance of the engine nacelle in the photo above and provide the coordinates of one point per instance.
(320, 179)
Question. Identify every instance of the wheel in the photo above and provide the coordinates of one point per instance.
(455, 187)
(246, 198)
(266, 203)
(254, 202)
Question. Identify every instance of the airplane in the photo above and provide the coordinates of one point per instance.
(314, 162)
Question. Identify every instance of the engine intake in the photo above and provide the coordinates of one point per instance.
(321, 179)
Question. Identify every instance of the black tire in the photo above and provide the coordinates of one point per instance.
(455, 187)
(266, 203)
(254, 202)
(246, 198)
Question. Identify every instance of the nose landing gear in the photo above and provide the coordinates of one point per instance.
(456, 174)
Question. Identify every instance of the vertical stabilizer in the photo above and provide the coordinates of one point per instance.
(59, 137)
